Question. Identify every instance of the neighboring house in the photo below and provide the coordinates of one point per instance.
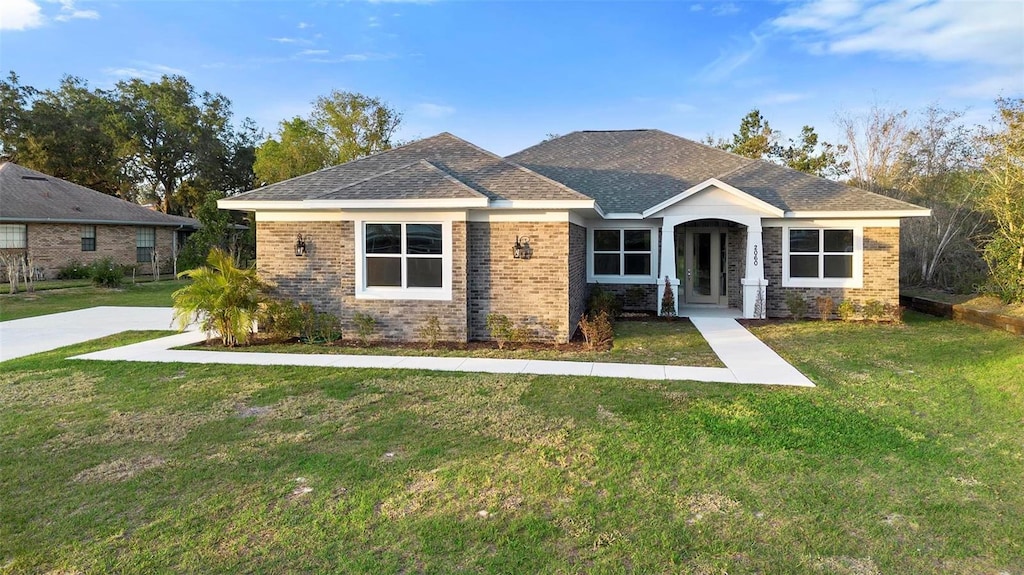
(434, 228)
(53, 222)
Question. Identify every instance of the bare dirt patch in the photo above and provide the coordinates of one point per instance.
(843, 565)
(119, 469)
(46, 388)
(700, 505)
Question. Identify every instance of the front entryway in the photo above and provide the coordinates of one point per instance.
(701, 263)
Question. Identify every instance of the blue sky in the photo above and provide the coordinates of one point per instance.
(504, 74)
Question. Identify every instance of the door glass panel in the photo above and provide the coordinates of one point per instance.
(702, 263)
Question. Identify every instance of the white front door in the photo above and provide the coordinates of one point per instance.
(706, 266)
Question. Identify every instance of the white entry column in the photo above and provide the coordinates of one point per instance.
(754, 284)
(668, 262)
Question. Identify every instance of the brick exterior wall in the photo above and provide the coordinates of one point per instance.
(534, 293)
(579, 291)
(326, 278)
(881, 273)
(736, 260)
(54, 246)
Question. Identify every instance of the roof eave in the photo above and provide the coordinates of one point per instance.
(855, 214)
(15, 219)
(300, 205)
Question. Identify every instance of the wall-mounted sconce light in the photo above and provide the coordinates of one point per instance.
(300, 246)
(522, 249)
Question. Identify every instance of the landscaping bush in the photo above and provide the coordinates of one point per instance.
(222, 297)
(825, 306)
(106, 273)
(430, 331)
(874, 310)
(847, 310)
(323, 327)
(365, 326)
(604, 300)
(668, 300)
(500, 328)
(597, 330)
(74, 270)
(797, 305)
(282, 319)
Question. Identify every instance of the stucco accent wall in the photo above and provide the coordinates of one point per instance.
(881, 272)
(533, 293)
(53, 246)
(326, 279)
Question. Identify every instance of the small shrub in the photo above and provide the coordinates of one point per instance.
(106, 273)
(893, 313)
(365, 326)
(604, 300)
(521, 334)
(847, 310)
(668, 300)
(597, 330)
(874, 310)
(282, 319)
(500, 328)
(74, 270)
(825, 306)
(222, 297)
(430, 331)
(797, 305)
(325, 328)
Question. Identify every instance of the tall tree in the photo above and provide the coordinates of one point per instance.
(813, 157)
(757, 139)
(1004, 201)
(343, 126)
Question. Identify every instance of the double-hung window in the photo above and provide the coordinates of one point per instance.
(88, 238)
(13, 236)
(621, 252)
(145, 243)
(823, 257)
(405, 260)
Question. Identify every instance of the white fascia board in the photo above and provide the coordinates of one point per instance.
(624, 216)
(299, 205)
(543, 204)
(759, 204)
(254, 205)
(866, 214)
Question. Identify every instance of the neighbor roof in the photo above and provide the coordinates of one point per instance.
(30, 196)
(629, 171)
(393, 175)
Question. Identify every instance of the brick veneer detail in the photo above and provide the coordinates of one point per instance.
(54, 246)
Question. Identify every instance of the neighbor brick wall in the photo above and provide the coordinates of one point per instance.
(53, 246)
(881, 273)
(326, 279)
(533, 293)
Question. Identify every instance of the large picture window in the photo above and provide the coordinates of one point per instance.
(407, 255)
(621, 252)
(13, 236)
(822, 257)
(88, 238)
(145, 244)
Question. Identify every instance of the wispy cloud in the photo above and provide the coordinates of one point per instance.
(775, 98)
(303, 25)
(696, 7)
(357, 57)
(433, 111)
(725, 9)
(938, 30)
(20, 15)
(68, 11)
(731, 60)
(312, 52)
(144, 70)
(1005, 85)
(373, 22)
(289, 40)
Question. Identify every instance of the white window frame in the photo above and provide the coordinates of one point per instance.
(857, 281)
(621, 278)
(6, 234)
(443, 293)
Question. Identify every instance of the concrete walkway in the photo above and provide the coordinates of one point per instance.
(21, 337)
(747, 359)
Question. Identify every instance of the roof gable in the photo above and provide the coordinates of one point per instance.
(713, 187)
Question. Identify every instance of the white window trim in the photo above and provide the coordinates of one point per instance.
(443, 293)
(651, 278)
(856, 282)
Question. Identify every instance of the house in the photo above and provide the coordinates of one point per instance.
(53, 222)
(442, 228)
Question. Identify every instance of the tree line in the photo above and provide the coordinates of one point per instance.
(166, 142)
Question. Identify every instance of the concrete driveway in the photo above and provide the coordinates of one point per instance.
(21, 337)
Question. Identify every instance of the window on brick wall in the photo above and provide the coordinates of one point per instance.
(13, 236)
(88, 238)
(822, 257)
(145, 244)
(404, 260)
(621, 254)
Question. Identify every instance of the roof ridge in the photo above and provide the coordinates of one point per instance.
(399, 168)
(521, 167)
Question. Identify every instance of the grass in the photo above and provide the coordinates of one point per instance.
(150, 294)
(655, 342)
(906, 459)
(44, 285)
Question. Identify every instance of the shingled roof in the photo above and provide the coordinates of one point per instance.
(30, 196)
(629, 171)
(475, 169)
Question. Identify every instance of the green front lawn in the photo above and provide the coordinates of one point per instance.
(643, 341)
(149, 294)
(907, 458)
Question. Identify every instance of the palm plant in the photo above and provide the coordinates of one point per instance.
(222, 298)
